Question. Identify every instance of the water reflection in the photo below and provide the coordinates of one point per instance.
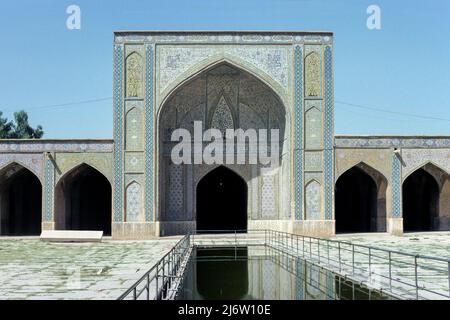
(260, 272)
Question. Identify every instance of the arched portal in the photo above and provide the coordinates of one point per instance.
(222, 201)
(360, 201)
(420, 201)
(83, 201)
(222, 96)
(20, 201)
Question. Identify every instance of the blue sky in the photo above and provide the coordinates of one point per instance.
(404, 67)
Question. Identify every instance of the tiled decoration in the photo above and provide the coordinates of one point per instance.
(313, 203)
(56, 145)
(48, 189)
(313, 75)
(268, 194)
(134, 130)
(174, 61)
(149, 136)
(313, 129)
(298, 135)
(31, 161)
(396, 187)
(287, 37)
(222, 118)
(328, 133)
(133, 202)
(176, 194)
(118, 133)
(133, 82)
(388, 142)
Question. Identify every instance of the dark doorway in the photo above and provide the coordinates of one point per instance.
(20, 202)
(83, 201)
(222, 201)
(356, 202)
(420, 201)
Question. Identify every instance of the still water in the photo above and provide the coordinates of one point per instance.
(260, 272)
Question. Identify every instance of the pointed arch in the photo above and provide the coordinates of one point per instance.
(18, 161)
(313, 200)
(215, 61)
(221, 201)
(426, 199)
(20, 201)
(313, 128)
(360, 200)
(313, 75)
(133, 202)
(222, 117)
(83, 200)
(204, 67)
(428, 166)
(134, 75)
(195, 99)
(134, 130)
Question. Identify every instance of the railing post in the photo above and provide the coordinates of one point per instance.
(303, 245)
(415, 274)
(390, 271)
(339, 255)
(328, 250)
(134, 294)
(297, 248)
(353, 259)
(318, 249)
(157, 282)
(448, 276)
(370, 264)
(292, 241)
(310, 248)
(148, 286)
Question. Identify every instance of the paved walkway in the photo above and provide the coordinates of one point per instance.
(436, 244)
(31, 269)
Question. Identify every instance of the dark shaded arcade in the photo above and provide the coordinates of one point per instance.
(356, 202)
(420, 201)
(83, 201)
(20, 202)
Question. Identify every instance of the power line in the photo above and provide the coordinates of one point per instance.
(50, 106)
(420, 116)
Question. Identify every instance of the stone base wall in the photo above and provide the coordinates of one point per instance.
(48, 226)
(314, 228)
(395, 226)
(135, 230)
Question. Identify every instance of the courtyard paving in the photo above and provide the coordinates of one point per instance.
(32, 269)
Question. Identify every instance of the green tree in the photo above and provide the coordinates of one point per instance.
(20, 128)
(5, 127)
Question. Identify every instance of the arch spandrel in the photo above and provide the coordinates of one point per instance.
(33, 162)
(428, 166)
(210, 62)
(379, 160)
(102, 162)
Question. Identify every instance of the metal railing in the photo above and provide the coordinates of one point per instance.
(402, 274)
(158, 282)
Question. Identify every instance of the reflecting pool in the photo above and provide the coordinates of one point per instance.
(260, 272)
